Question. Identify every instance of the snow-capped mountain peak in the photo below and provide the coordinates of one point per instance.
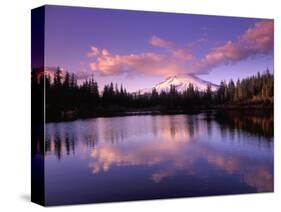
(181, 83)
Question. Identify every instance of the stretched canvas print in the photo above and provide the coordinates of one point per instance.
(134, 105)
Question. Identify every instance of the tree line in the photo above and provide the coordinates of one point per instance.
(66, 98)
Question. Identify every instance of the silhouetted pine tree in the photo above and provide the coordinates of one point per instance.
(64, 95)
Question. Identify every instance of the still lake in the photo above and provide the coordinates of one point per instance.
(158, 156)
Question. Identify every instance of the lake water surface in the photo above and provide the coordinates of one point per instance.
(159, 156)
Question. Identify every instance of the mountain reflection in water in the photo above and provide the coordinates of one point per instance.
(161, 156)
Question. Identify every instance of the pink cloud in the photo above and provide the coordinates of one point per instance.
(260, 36)
(229, 52)
(94, 52)
(255, 41)
(149, 63)
(157, 41)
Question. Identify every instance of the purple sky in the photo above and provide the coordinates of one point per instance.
(140, 49)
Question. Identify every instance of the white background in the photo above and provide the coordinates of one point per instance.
(15, 105)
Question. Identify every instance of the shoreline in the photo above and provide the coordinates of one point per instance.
(107, 114)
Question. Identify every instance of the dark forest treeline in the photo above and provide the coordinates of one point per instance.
(66, 99)
(255, 122)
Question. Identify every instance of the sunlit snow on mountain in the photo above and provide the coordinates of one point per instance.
(181, 83)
